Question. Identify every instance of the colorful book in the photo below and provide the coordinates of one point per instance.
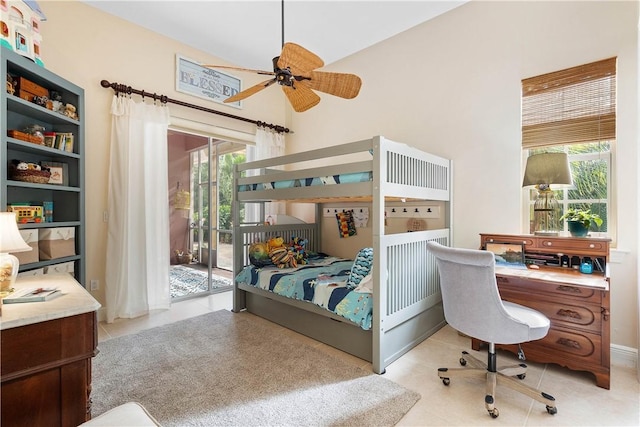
(31, 295)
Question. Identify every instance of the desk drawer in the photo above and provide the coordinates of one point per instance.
(528, 241)
(587, 316)
(571, 344)
(549, 290)
(576, 246)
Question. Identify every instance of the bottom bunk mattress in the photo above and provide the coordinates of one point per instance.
(323, 282)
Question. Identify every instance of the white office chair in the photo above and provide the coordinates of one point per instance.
(472, 305)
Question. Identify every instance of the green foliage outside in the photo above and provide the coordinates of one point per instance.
(589, 191)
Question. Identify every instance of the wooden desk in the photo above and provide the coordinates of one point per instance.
(46, 351)
(577, 304)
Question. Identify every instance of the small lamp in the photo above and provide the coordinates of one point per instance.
(10, 241)
(543, 170)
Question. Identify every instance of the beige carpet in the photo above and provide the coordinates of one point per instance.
(236, 370)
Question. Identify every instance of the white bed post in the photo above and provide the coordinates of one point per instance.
(379, 253)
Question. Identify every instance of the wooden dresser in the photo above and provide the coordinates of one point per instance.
(576, 303)
(46, 352)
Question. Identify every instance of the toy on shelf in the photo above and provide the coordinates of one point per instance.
(26, 213)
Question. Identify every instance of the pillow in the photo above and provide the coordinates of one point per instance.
(361, 267)
(346, 225)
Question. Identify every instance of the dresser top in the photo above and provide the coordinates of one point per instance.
(74, 300)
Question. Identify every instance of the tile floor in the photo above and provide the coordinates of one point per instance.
(580, 402)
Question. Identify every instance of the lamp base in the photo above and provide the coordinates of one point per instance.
(546, 218)
(9, 265)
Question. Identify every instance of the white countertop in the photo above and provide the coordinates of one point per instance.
(74, 300)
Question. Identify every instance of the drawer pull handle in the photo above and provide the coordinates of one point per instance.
(571, 289)
(569, 313)
(569, 343)
(605, 313)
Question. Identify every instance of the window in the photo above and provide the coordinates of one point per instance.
(574, 111)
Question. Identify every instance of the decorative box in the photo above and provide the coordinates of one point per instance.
(57, 242)
(31, 238)
(28, 86)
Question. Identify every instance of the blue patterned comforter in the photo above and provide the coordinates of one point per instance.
(321, 282)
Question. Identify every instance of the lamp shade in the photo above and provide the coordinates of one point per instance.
(10, 238)
(547, 168)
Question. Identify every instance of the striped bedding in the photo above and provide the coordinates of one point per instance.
(322, 282)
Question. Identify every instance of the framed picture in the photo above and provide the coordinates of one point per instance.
(507, 254)
(203, 82)
(59, 172)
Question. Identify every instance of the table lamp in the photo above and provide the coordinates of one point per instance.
(542, 171)
(10, 241)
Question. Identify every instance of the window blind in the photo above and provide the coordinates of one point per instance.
(570, 106)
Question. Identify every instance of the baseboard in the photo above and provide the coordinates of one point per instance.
(102, 314)
(625, 357)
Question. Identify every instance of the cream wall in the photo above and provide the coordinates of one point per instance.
(85, 46)
(452, 86)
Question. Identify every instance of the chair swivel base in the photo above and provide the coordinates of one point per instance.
(504, 376)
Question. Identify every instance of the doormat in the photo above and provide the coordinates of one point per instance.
(185, 280)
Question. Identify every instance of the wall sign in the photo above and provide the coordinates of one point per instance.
(206, 83)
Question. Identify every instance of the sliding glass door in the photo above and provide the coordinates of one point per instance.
(201, 230)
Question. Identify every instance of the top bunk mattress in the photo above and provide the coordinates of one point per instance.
(346, 178)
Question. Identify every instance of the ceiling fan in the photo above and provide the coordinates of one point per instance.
(295, 71)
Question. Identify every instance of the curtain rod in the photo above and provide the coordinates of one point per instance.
(120, 88)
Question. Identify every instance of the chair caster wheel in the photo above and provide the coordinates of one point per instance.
(552, 410)
(494, 413)
(463, 362)
(521, 376)
(446, 381)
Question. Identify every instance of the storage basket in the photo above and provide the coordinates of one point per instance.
(30, 175)
(57, 242)
(31, 238)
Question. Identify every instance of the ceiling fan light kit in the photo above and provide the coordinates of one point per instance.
(294, 71)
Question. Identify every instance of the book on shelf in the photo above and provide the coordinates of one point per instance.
(64, 141)
(31, 295)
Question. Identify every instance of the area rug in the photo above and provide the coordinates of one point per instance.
(186, 280)
(227, 369)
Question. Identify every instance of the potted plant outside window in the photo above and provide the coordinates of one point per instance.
(579, 221)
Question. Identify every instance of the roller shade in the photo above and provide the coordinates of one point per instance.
(570, 106)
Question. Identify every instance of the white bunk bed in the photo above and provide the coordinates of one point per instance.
(407, 306)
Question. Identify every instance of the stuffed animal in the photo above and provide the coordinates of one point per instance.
(280, 255)
(70, 111)
(298, 247)
(275, 242)
(283, 257)
(259, 254)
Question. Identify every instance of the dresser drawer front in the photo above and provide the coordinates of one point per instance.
(581, 246)
(527, 241)
(586, 316)
(549, 290)
(573, 344)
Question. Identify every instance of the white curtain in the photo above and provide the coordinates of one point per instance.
(269, 144)
(137, 276)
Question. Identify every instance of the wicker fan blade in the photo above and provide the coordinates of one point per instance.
(250, 91)
(338, 84)
(301, 97)
(249, 70)
(298, 59)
